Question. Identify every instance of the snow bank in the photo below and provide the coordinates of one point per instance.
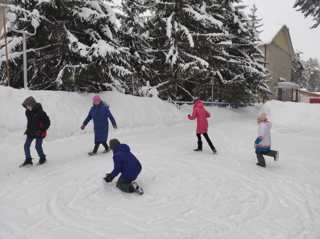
(68, 110)
(295, 117)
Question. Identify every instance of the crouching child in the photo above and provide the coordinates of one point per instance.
(125, 164)
(263, 141)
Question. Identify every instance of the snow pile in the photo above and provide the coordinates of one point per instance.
(68, 110)
(295, 117)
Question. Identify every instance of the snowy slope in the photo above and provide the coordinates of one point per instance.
(68, 110)
(187, 194)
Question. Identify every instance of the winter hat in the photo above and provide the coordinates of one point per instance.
(195, 99)
(30, 101)
(96, 99)
(113, 143)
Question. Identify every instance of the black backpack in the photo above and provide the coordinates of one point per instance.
(46, 121)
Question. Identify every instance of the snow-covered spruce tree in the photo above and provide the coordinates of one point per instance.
(297, 71)
(188, 41)
(74, 44)
(243, 77)
(254, 24)
(309, 8)
(312, 74)
(133, 36)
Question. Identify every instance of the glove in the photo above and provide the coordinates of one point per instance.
(82, 127)
(115, 126)
(258, 140)
(108, 178)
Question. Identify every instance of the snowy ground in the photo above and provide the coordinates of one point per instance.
(187, 194)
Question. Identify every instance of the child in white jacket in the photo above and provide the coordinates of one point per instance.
(263, 141)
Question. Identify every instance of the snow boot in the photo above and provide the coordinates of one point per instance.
(42, 160)
(26, 163)
(92, 153)
(261, 165)
(261, 161)
(137, 188)
(199, 147)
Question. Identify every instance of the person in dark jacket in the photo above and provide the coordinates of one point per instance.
(38, 123)
(125, 164)
(100, 114)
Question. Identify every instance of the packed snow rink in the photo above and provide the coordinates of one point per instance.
(187, 194)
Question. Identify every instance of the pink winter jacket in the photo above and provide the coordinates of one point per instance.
(200, 113)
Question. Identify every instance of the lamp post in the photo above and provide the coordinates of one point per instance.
(25, 70)
(4, 22)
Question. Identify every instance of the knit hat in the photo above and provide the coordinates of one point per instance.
(96, 99)
(30, 101)
(113, 143)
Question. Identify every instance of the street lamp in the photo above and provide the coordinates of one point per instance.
(4, 23)
(25, 71)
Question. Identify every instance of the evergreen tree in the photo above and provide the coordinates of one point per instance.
(309, 8)
(312, 74)
(243, 78)
(205, 49)
(188, 38)
(298, 71)
(254, 24)
(74, 45)
(133, 36)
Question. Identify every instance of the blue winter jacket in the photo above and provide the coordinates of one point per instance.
(100, 115)
(125, 163)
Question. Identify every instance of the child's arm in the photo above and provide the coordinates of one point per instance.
(113, 121)
(193, 116)
(117, 167)
(261, 134)
(86, 121)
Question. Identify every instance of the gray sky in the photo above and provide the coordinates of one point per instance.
(276, 13)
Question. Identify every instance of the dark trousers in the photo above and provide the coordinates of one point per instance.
(206, 136)
(260, 158)
(97, 144)
(39, 148)
(125, 186)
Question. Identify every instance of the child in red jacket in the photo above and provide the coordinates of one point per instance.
(200, 113)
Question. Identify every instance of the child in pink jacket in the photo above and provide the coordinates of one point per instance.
(200, 113)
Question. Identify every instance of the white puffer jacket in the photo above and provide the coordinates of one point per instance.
(264, 131)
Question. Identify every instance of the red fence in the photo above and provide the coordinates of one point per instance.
(315, 100)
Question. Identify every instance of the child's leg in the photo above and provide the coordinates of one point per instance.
(27, 145)
(106, 147)
(125, 186)
(273, 153)
(261, 161)
(39, 148)
(209, 142)
(199, 143)
(96, 147)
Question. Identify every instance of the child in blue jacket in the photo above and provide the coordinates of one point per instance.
(100, 114)
(125, 164)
